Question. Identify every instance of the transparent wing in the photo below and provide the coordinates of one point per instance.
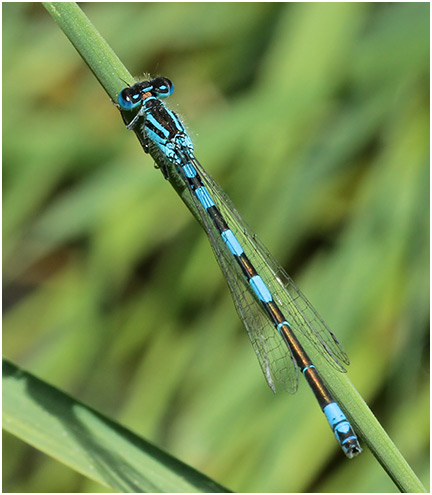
(298, 311)
(274, 356)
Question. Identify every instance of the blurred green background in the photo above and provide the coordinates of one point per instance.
(314, 118)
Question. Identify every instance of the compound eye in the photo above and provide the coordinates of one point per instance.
(162, 87)
(129, 98)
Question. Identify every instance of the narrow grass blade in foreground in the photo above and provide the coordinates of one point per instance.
(90, 443)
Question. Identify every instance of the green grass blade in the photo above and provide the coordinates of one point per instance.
(90, 443)
(96, 52)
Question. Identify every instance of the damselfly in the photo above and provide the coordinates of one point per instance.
(268, 302)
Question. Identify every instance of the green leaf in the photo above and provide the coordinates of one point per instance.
(89, 442)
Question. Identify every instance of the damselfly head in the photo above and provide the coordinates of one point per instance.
(132, 96)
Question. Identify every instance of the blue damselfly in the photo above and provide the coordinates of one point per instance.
(268, 302)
